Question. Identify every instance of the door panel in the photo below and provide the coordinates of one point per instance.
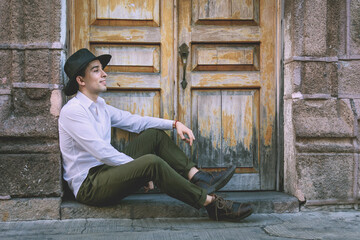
(238, 11)
(231, 122)
(140, 73)
(230, 97)
(126, 12)
(225, 57)
(130, 58)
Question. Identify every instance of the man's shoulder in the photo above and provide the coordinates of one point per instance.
(72, 106)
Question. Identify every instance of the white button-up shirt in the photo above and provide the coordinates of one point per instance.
(85, 135)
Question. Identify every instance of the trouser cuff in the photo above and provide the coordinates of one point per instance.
(202, 200)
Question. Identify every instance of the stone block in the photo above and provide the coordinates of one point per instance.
(139, 206)
(286, 207)
(294, 11)
(290, 175)
(328, 208)
(17, 21)
(357, 107)
(30, 175)
(30, 209)
(292, 76)
(42, 66)
(5, 108)
(325, 176)
(323, 118)
(355, 28)
(5, 68)
(325, 145)
(55, 16)
(38, 18)
(34, 21)
(315, 28)
(18, 64)
(5, 14)
(349, 81)
(34, 66)
(56, 101)
(30, 126)
(56, 67)
(358, 182)
(332, 74)
(336, 27)
(288, 29)
(37, 66)
(317, 77)
(31, 101)
(134, 207)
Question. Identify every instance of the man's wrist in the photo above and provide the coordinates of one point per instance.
(174, 124)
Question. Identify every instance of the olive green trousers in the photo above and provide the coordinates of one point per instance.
(156, 158)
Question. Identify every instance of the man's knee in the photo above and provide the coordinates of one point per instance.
(154, 160)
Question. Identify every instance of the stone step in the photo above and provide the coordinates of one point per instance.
(162, 206)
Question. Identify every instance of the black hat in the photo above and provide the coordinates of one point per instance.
(77, 62)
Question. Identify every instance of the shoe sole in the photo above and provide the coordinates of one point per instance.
(240, 218)
(245, 216)
(223, 181)
(235, 219)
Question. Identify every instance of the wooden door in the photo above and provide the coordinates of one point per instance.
(230, 97)
(139, 36)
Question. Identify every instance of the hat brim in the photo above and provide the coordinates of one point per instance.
(72, 86)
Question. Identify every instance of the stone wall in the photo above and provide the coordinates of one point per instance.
(31, 56)
(321, 100)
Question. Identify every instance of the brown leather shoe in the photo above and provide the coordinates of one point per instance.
(213, 181)
(227, 210)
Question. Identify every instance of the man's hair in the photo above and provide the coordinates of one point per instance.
(81, 72)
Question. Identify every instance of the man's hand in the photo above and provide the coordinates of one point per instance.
(182, 130)
(149, 186)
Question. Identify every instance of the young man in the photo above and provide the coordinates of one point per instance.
(98, 174)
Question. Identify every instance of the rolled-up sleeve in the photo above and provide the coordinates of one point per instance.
(135, 123)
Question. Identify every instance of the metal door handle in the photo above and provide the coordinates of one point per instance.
(184, 53)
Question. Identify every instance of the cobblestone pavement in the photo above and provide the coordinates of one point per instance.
(303, 225)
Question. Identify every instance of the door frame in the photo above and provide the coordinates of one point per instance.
(279, 73)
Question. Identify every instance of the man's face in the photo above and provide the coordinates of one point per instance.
(94, 81)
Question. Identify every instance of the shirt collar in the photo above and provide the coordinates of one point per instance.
(87, 102)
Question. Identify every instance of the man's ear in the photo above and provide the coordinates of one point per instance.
(80, 80)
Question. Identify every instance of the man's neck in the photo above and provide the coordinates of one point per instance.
(92, 97)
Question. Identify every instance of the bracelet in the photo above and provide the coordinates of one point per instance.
(174, 126)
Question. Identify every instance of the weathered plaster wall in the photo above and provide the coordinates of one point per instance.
(31, 55)
(321, 100)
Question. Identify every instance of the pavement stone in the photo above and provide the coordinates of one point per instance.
(301, 225)
(139, 206)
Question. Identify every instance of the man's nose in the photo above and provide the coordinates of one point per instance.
(103, 73)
